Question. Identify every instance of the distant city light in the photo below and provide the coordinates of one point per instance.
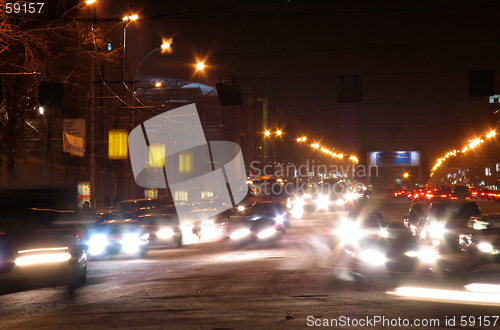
(200, 66)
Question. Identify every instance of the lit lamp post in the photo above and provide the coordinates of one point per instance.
(267, 135)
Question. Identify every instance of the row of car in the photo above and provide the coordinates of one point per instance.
(44, 243)
(448, 237)
(457, 192)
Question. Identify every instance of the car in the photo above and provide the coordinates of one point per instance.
(206, 228)
(359, 224)
(117, 237)
(162, 229)
(447, 220)
(264, 221)
(461, 192)
(482, 241)
(417, 213)
(35, 250)
(386, 252)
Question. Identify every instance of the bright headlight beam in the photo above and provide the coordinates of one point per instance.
(42, 259)
(165, 233)
(481, 287)
(373, 257)
(267, 233)
(97, 243)
(448, 295)
(485, 247)
(383, 233)
(239, 234)
(437, 230)
(44, 250)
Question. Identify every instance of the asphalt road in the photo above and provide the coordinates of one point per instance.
(296, 284)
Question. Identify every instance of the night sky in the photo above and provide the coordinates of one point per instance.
(413, 59)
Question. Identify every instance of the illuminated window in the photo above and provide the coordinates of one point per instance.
(185, 162)
(181, 195)
(487, 171)
(156, 156)
(207, 194)
(117, 144)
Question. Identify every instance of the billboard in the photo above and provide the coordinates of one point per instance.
(394, 158)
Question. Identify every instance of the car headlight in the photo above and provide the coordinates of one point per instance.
(349, 232)
(297, 211)
(131, 243)
(322, 202)
(267, 233)
(42, 258)
(97, 243)
(351, 196)
(187, 225)
(165, 233)
(437, 230)
(279, 219)
(373, 257)
(240, 233)
(426, 255)
(383, 233)
(485, 247)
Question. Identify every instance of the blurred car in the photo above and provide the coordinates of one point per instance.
(417, 213)
(31, 258)
(398, 255)
(264, 221)
(360, 224)
(206, 228)
(35, 251)
(162, 229)
(462, 192)
(483, 241)
(448, 220)
(113, 237)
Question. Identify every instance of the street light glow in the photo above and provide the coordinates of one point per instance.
(158, 84)
(131, 17)
(304, 139)
(491, 134)
(278, 132)
(89, 2)
(40, 110)
(299, 139)
(166, 45)
(406, 175)
(267, 133)
(200, 66)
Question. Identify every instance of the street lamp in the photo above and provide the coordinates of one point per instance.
(200, 66)
(165, 46)
(267, 134)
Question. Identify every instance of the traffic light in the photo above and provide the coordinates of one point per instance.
(229, 93)
(50, 94)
